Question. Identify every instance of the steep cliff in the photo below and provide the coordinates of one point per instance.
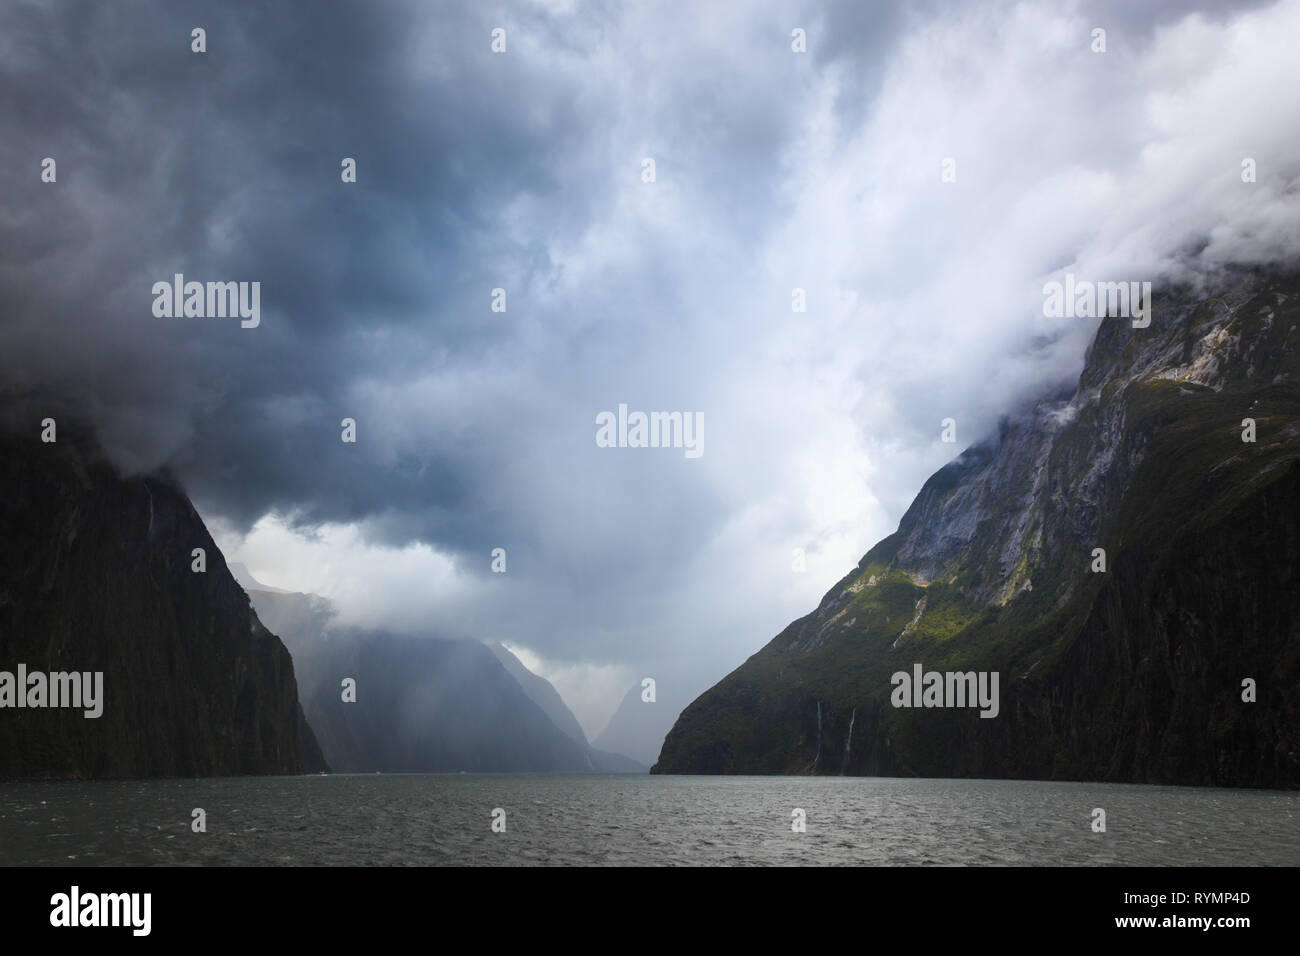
(1132, 673)
(96, 575)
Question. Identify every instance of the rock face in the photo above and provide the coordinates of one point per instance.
(1134, 673)
(95, 575)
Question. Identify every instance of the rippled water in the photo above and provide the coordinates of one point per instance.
(441, 819)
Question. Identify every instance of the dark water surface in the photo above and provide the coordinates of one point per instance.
(550, 819)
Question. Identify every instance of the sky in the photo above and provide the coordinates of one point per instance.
(525, 171)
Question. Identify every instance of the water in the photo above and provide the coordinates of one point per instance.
(610, 820)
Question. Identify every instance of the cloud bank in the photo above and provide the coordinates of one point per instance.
(775, 171)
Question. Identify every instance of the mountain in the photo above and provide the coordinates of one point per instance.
(429, 705)
(96, 576)
(1132, 673)
(544, 694)
(541, 692)
(423, 704)
(637, 727)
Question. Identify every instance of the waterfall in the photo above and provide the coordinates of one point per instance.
(819, 738)
(848, 742)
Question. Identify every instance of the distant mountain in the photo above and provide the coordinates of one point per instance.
(637, 727)
(423, 704)
(1134, 672)
(548, 698)
(96, 575)
(429, 705)
(542, 693)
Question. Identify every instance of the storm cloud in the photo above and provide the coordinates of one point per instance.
(523, 171)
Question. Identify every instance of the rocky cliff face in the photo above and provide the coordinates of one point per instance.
(95, 575)
(1134, 673)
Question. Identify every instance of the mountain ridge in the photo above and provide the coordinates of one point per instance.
(1106, 676)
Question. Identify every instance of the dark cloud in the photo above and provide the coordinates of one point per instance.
(522, 171)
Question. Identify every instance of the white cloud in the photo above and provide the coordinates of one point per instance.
(924, 302)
